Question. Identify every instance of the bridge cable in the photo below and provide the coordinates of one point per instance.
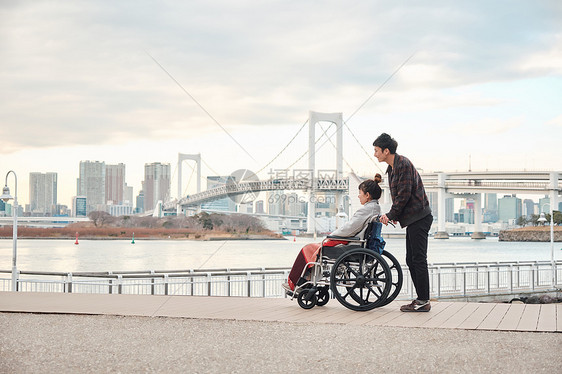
(349, 118)
(304, 154)
(366, 101)
(284, 148)
(200, 106)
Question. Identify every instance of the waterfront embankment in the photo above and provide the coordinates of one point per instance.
(531, 234)
(128, 233)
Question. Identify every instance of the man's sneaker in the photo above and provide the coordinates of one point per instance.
(416, 306)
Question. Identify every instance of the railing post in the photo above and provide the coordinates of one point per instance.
(511, 278)
(249, 283)
(464, 280)
(208, 284)
(263, 281)
(438, 281)
(228, 290)
(455, 281)
(488, 278)
(110, 286)
(533, 277)
(152, 282)
(119, 284)
(69, 283)
(191, 281)
(285, 277)
(165, 284)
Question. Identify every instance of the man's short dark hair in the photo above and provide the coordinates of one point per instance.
(385, 141)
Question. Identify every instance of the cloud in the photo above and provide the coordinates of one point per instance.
(77, 73)
(555, 122)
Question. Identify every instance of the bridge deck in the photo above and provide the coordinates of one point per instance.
(448, 315)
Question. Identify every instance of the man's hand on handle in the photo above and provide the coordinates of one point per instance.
(384, 220)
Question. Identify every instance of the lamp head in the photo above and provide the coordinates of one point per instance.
(6, 194)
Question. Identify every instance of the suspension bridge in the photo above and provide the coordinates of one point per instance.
(470, 184)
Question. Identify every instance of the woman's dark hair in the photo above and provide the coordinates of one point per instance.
(385, 141)
(372, 187)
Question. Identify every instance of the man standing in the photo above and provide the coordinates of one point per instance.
(410, 207)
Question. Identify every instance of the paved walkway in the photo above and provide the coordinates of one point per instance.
(444, 315)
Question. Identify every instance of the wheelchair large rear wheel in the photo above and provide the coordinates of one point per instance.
(397, 277)
(361, 279)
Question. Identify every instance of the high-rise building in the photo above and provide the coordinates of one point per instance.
(544, 205)
(91, 184)
(433, 204)
(490, 213)
(128, 195)
(491, 201)
(449, 210)
(225, 204)
(528, 207)
(79, 206)
(115, 183)
(42, 193)
(510, 208)
(156, 184)
(273, 199)
(259, 207)
(140, 202)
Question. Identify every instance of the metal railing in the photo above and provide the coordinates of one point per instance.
(446, 280)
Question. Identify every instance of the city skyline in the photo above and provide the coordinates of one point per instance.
(480, 87)
(157, 176)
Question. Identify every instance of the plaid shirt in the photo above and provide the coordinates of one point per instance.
(409, 201)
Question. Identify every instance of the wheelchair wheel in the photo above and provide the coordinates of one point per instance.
(361, 279)
(307, 298)
(397, 277)
(323, 296)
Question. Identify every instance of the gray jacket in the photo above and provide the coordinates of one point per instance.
(358, 222)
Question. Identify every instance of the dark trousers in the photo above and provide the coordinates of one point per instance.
(416, 255)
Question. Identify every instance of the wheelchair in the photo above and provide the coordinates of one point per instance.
(359, 273)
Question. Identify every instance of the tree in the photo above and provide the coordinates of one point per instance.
(100, 218)
(521, 221)
(534, 219)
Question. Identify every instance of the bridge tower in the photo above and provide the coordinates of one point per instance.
(194, 157)
(313, 119)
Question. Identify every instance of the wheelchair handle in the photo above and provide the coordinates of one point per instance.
(377, 218)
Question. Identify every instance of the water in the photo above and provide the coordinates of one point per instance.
(120, 255)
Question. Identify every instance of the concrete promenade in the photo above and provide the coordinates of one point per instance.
(456, 315)
(55, 332)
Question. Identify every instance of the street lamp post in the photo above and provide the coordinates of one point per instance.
(551, 239)
(5, 197)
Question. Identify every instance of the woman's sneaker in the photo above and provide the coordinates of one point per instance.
(416, 306)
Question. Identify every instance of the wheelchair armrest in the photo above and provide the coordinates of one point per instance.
(349, 239)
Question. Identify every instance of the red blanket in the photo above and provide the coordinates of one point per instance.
(307, 254)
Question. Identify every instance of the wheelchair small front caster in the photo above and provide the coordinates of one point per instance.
(307, 298)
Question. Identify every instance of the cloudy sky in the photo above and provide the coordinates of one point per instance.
(126, 81)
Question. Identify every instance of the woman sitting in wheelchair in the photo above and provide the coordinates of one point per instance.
(369, 193)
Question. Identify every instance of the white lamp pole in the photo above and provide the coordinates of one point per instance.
(551, 239)
(552, 245)
(5, 197)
